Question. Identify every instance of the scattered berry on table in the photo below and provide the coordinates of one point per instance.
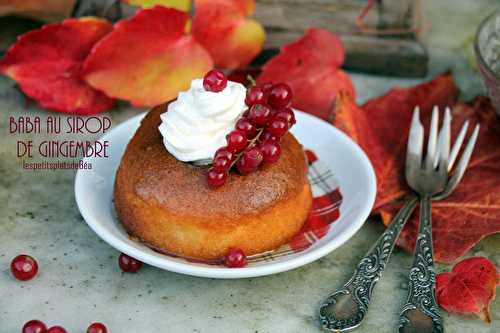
(97, 328)
(34, 326)
(24, 267)
(57, 329)
(129, 264)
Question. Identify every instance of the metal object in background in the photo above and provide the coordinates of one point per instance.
(112, 10)
(487, 49)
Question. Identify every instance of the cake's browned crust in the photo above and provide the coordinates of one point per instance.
(168, 204)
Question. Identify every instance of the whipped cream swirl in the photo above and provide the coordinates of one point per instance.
(196, 124)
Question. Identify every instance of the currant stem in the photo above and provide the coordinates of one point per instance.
(251, 142)
(252, 80)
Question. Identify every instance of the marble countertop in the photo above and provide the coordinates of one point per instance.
(80, 282)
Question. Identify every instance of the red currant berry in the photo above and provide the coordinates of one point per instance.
(278, 127)
(280, 95)
(271, 151)
(266, 136)
(129, 264)
(23, 267)
(223, 152)
(221, 164)
(249, 161)
(235, 258)
(57, 329)
(266, 86)
(236, 141)
(311, 156)
(214, 81)
(255, 95)
(287, 115)
(216, 178)
(97, 328)
(244, 125)
(34, 326)
(259, 114)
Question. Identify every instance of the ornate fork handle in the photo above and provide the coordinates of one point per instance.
(346, 307)
(420, 313)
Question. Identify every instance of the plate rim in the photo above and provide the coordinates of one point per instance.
(358, 220)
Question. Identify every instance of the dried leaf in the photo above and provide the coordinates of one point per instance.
(472, 212)
(183, 5)
(147, 59)
(469, 288)
(222, 27)
(310, 65)
(46, 63)
(381, 128)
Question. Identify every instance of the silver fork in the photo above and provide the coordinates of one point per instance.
(346, 308)
(429, 178)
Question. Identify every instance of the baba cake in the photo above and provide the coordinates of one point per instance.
(163, 198)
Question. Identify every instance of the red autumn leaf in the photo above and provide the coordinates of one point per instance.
(222, 27)
(310, 65)
(469, 288)
(148, 58)
(473, 210)
(381, 128)
(46, 63)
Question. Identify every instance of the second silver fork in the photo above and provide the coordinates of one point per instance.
(428, 178)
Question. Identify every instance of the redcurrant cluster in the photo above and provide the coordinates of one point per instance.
(257, 134)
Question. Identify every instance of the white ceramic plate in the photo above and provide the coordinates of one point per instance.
(351, 167)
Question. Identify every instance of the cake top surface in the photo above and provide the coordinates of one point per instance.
(155, 175)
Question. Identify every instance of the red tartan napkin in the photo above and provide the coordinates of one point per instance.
(325, 211)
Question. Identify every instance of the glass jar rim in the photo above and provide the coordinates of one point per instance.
(477, 49)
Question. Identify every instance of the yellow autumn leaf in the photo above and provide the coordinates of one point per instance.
(183, 5)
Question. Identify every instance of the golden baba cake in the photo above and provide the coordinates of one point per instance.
(167, 204)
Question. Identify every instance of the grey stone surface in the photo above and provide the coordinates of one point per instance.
(80, 282)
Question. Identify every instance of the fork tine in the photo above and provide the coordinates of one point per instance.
(431, 144)
(415, 142)
(462, 165)
(457, 145)
(443, 144)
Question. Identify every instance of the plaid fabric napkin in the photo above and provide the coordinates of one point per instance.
(325, 211)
